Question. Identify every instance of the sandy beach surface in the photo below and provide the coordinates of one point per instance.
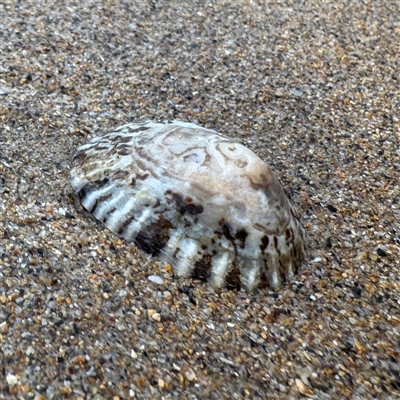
(312, 87)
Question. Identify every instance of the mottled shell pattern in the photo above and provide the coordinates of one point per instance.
(206, 205)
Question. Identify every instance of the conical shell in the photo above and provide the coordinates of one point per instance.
(207, 205)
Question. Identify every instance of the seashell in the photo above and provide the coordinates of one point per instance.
(206, 205)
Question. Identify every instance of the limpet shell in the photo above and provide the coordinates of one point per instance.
(206, 205)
